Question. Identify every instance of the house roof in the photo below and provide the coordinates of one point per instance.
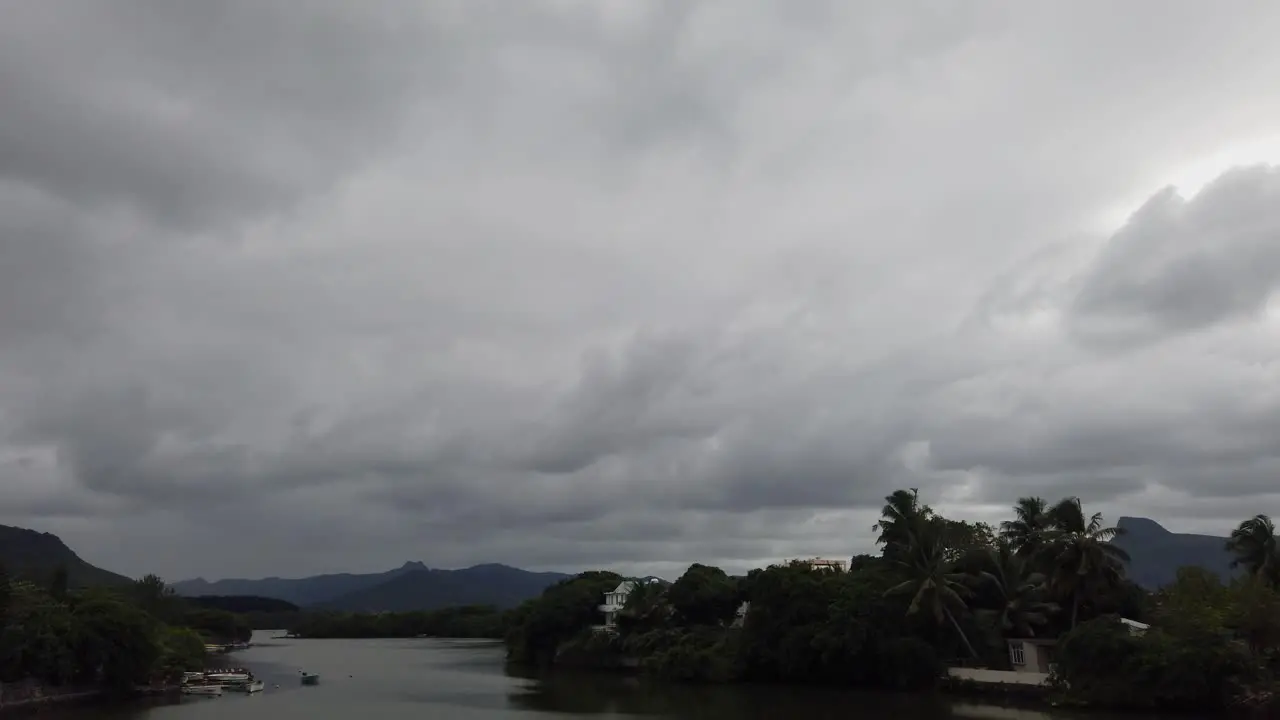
(626, 585)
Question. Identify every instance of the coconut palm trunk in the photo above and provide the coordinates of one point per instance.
(963, 638)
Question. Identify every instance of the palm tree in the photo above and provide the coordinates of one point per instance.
(1026, 531)
(1255, 548)
(933, 581)
(899, 518)
(1019, 591)
(1079, 554)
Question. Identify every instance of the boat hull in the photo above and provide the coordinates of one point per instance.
(203, 690)
(252, 686)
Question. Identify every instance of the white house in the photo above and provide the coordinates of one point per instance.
(616, 599)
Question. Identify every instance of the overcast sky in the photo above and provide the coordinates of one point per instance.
(294, 287)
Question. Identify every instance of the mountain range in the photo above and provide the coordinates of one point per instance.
(1155, 554)
(412, 586)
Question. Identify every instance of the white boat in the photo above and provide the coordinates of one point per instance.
(204, 690)
(228, 677)
(247, 686)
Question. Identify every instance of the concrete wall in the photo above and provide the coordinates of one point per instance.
(997, 677)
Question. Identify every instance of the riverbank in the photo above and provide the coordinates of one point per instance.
(27, 696)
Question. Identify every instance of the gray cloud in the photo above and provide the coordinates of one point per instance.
(574, 284)
(1180, 266)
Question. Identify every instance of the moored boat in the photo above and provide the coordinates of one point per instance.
(310, 679)
(228, 676)
(247, 686)
(203, 690)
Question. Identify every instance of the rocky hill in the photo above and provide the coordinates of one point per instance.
(36, 555)
(1155, 554)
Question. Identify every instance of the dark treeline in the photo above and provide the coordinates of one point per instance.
(457, 622)
(942, 593)
(256, 612)
(243, 604)
(114, 637)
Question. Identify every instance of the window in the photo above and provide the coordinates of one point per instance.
(1016, 655)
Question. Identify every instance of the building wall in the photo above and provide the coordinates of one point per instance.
(1034, 656)
(998, 677)
(824, 563)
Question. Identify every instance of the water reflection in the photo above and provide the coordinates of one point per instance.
(392, 679)
(592, 694)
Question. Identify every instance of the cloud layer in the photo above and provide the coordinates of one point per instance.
(288, 289)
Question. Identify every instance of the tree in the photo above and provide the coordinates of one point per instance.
(1253, 543)
(1195, 599)
(933, 583)
(1254, 613)
(964, 538)
(1079, 554)
(563, 610)
(6, 592)
(703, 595)
(1025, 533)
(118, 638)
(58, 583)
(156, 598)
(1019, 590)
(899, 518)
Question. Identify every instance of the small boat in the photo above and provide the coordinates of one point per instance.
(228, 676)
(310, 679)
(203, 690)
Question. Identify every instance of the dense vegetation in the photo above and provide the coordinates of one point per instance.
(942, 592)
(460, 622)
(258, 613)
(113, 637)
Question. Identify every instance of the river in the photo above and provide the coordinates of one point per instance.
(466, 680)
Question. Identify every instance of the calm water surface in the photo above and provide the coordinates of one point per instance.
(375, 679)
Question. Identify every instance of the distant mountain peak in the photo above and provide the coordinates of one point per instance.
(1141, 526)
(413, 565)
(1156, 554)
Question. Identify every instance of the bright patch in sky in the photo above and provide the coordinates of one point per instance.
(1191, 178)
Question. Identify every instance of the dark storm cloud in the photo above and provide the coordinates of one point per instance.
(329, 286)
(196, 112)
